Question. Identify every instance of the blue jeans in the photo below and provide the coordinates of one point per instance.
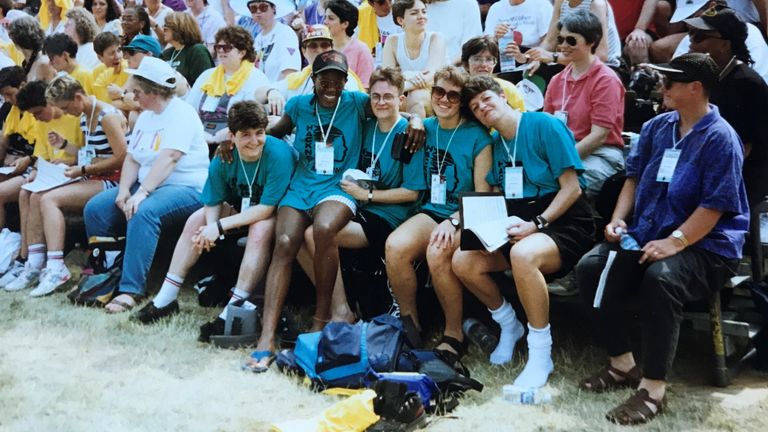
(168, 205)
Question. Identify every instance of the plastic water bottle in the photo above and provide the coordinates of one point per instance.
(627, 242)
(480, 335)
(523, 396)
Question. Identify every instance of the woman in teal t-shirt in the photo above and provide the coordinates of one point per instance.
(457, 158)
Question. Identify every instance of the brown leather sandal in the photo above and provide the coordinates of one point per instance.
(603, 381)
(635, 410)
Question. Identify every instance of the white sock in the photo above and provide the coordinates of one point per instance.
(36, 257)
(55, 260)
(168, 291)
(539, 365)
(511, 332)
(237, 295)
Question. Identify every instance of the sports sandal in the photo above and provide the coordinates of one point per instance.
(635, 410)
(123, 305)
(603, 380)
(452, 357)
(255, 361)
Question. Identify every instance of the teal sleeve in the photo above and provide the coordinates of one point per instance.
(279, 172)
(559, 145)
(292, 108)
(361, 100)
(413, 172)
(214, 191)
(482, 140)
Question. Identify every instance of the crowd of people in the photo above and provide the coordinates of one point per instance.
(243, 117)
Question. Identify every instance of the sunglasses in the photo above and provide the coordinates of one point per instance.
(225, 48)
(259, 7)
(325, 45)
(570, 40)
(438, 92)
(132, 51)
(698, 36)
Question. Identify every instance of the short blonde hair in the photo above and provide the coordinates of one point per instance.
(63, 88)
(184, 27)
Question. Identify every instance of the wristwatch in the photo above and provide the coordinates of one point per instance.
(555, 55)
(455, 222)
(540, 222)
(680, 236)
(370, 195)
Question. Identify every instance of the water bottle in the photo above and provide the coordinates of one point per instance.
(480, 335)
(526, 396)
(626, 241)
(764, 228)
(506, 63)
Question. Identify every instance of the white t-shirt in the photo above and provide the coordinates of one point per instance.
(255, 80)
(163, 12)
(457, 20)
(530, 18)
(277, 51)
(387, 27)
(210, 21)
(756, 45)
(178, 127)
(86, 56)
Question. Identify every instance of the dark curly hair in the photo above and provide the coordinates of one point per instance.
(239, 38)
(26, 33)
(12, 76)
(246, 115)
(113, 11)
(32, 95)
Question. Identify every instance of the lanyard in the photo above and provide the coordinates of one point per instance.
(88, 122)
(437, 145)
(255, 173)
(676, 142)
(567, 74)
(323, 133)
(174, 56)
(375, 158)
(512, 156)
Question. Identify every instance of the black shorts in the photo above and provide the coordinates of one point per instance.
(376, 230)
(436, 218)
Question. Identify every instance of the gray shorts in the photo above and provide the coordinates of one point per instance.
(602, 163)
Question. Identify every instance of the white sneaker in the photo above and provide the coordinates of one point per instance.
(27, 279)
(12, 273)
(50, 279)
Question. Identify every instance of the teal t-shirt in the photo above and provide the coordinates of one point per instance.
(307, 187)
(456, 161)
(545, 148)
(227, 181)
(394, 174)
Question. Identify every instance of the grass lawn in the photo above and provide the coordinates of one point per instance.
(64, 368)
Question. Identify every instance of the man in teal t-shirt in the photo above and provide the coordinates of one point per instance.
(243, 196)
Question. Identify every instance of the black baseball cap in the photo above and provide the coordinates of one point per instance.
(723, 21)
(691, 67)
(330, 60)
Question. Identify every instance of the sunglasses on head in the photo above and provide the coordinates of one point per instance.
(259, 7)
(317, 44)
(225, 48)
(453, 96)
(699, 36)
(570, 40)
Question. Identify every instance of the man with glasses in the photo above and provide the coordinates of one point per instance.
(316, 40)
(277, 47)
(376, 24)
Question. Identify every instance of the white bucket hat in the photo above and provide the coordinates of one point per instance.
(155, 70)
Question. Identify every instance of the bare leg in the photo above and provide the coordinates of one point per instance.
(184, 255)
(72, 197)
(261, 235)
(530, 257)
(408, 243)
(448, 290)
(34, 220)
(9, 193)
(23, 212)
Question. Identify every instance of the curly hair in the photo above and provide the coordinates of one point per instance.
(113, 11)
(246, 115)
(25, 32)
(58, 44)
(458, 77)
(184, 28)
(63, 88)
(12, 76)
(239, 38)
(479, 84)
(85, 24)
(32, 95)
(389, 75)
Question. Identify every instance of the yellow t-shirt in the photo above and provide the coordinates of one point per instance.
(22, 123)
(12, 52)
(512, 93)
(107, 77)
(84, 76)
(67, 126)
(98, 70)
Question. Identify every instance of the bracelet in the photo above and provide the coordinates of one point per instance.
(555, 56)
(64, 145)
(370, 195)
(221, 229)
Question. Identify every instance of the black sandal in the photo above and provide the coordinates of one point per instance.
(603, 381)
(635, 411)
(451, 357)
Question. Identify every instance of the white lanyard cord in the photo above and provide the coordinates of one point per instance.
(437, 144)
(376, 156)
(567, 74)
(676, 142)
(323, 133)
(513, 156)
(88, 122)
(255, 173)
(174, 56)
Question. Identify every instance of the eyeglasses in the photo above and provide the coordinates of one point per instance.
(129, 18)
(387, 98)
(132, 51)
(438, 92)
(260, 7)
(225, 48)
(330, 85)
(313, 45)
(570, 40)
(482, 60)
(698, 36)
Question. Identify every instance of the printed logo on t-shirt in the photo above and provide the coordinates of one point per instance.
(366, 163)
(242, 191)
(449, 170)
(313, 135)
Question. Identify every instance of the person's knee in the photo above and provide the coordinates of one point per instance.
(285, 245)
(262, 231)
(324, 233)
(521, 257)
(439, 259)
(396, 249)
(659, 284)
(463, 266)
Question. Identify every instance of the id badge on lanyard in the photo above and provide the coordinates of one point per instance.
(245, 203)
(562, 116)
(210, 104)
(85, 156)
(323, 158)
(513, 182)
(438, 189)
(668, 164)
(372, 173)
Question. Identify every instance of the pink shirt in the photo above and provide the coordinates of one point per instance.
(359, 60)
(597, 97)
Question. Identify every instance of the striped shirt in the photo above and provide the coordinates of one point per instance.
(97, 139)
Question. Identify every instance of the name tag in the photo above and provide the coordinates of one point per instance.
(210, 104)
(562, 116)
(513, 182)
(85, 156)
(245, 204)
(438, 190)
(323, 158)
(372, 173)
(668, 164)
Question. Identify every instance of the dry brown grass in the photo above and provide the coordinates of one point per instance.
(77, 369)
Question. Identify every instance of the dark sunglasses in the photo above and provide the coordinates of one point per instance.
(132, 51)
(225, 48)
(698, 36)
(570, 40)
(453, 96)
(259, 7)
(315, 45)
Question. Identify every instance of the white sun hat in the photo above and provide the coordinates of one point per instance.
(155, 70)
